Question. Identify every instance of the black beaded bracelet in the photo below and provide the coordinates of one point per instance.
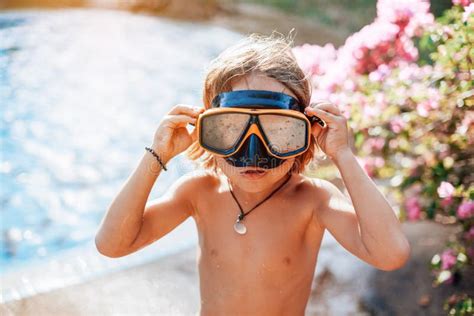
(157, 157)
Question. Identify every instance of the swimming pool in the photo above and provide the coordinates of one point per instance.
(81, 94)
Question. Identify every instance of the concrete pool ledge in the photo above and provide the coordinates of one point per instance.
(76, 266)
(167, 286)
(84, 263)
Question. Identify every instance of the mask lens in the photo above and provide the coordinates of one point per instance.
(223, 131)
(284, 133)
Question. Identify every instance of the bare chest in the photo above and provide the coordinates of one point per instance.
(279, 245)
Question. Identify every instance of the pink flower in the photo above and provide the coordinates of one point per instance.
(397, 124)
(468, 11)
(320, 94)
(469, 235)
(411, 72)
(466, 209)
(365, 50)
(447, 201)
(445, 189)
(349, 85)
(462, 2)
(466, 123)
(413, 208)
(375, 50)
(380, 73)
(371, 111)
(314, 59)
(448, 259)
(405, 49)
(374, 144)
(409, 15)
(470, 252)
(370, 164)
(379, 162)
(425, 107)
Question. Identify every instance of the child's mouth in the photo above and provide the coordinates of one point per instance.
(253, 173)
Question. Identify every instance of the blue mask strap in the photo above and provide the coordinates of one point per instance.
(257, 99)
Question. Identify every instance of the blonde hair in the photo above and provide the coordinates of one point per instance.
(268, 55)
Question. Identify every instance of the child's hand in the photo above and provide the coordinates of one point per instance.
(172, 137)
(333, 139)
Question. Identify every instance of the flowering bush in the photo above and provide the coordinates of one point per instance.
(405, 83)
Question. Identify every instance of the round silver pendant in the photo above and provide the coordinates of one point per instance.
(240, 228)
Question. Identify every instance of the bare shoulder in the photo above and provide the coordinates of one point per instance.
(326, 190)
(320, 189)
(195, 182)
(192, 185)
(334, 194)
(324, 194)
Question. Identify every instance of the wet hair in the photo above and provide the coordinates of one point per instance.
(268, 55)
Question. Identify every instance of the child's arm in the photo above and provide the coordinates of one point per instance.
(367, 227)
(130, 223)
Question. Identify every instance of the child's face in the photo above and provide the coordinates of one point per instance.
(256, 182)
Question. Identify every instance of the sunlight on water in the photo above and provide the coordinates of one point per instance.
(81, 94)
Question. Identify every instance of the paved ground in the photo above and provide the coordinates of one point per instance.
(343, 285)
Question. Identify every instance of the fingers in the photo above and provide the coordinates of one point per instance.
(192, 111)
(328, 112)
(180, 119)
(177, 113)
(327, 106)
(326, 116)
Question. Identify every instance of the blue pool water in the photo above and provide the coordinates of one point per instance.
(81, 94)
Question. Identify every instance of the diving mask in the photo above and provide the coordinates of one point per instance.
(255, 128)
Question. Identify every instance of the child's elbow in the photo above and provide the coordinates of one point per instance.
(100, 248)
(103, 250)
(399, 257)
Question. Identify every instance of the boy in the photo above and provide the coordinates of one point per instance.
(260, 221)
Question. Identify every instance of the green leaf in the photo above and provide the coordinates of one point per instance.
(431, 211)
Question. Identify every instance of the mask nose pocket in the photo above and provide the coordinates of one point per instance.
(253, 153)
(256, 151)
